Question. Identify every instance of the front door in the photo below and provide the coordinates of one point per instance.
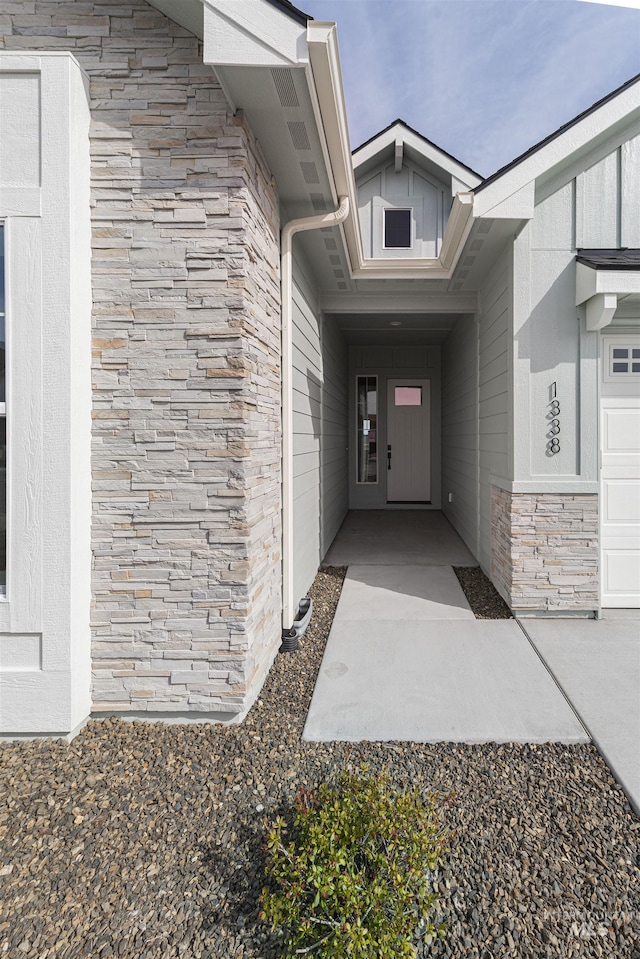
(408, 441)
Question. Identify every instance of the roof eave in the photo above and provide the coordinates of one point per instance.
(578, 135)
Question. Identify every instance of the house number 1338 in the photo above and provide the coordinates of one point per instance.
(553, 420)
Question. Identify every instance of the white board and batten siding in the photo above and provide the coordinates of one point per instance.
(608, 200)
(320, 498)
(44, 205)
(428, 198)
(595, 206)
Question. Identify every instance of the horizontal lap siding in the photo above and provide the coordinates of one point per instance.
(459, 428)
(319, 434)
(335, 491)
(496, 300)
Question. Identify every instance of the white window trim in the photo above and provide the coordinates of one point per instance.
(379, 205)
(412, 226)
(614, 343)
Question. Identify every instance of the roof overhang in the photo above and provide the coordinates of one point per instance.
(597, 126)
(242, 36)
(598, 288)
(399, 139)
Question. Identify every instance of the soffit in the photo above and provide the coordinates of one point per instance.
(371, 329)
(628, 308)
(486, 240)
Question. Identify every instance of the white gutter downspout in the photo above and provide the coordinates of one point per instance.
(286, 273)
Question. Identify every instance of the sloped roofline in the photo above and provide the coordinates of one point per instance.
(421, 136)
(291, 11)
(556, 133)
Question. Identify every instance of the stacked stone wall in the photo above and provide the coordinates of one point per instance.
(544, 550)
(186, 377)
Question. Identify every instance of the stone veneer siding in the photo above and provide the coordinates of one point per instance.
(544, 550)
(186, 403)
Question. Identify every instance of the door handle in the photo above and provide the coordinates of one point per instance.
(388, 457)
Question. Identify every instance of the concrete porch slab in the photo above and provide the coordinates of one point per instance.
(597, 663)
(402, 593)
(397, 538)
(437, 681)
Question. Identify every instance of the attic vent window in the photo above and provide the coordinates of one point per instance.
(397, 229)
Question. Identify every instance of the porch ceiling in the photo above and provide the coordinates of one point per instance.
(366, 329)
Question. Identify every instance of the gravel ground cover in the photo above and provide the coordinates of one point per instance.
(483, 598)
(144, 841)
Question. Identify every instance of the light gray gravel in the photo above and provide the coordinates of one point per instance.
(144, 841)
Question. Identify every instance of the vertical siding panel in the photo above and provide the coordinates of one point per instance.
(630, 193)
(597, 202)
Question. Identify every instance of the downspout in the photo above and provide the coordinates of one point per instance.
(286, 273)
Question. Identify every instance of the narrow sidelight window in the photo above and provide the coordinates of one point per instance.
(366, 427)
(397, 229)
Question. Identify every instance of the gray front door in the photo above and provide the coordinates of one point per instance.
(408, 441)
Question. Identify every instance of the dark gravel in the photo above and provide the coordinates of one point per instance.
(143, 841)
(483, 598)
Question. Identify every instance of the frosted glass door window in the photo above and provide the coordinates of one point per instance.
(366, 427)
(408, 396)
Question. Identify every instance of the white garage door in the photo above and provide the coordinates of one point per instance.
(620, 476)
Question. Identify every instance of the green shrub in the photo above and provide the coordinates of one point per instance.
(351, 875)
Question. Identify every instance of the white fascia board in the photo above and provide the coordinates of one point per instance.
(457, 230)
(324, 58)
(519, 206)
(327, 79)
(251, 33)
(430, 152)
(592, 282)
(577, 137)
(441, 267)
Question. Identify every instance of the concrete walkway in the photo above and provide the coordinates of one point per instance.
(407, 660)
(597, 663)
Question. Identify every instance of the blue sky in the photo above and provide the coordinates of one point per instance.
(484, 79)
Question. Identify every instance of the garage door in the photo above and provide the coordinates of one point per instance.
(620, 478)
